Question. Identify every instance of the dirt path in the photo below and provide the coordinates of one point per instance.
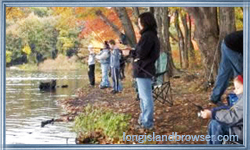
(181, 117)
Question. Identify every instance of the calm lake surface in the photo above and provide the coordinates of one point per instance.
(27, 106)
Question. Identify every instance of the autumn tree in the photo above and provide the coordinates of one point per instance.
(163, 23)
(227, 25)
(180, 35)
(127, 25)
(210, 32)
(99, 22)
(206, 33)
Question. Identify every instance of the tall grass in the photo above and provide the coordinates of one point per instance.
(62, 63)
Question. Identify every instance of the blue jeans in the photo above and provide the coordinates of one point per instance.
(115, 74)
(218, 130)
(146, 101)
(105, 78)
(231, 65)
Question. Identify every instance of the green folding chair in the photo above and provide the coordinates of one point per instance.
(162, 89)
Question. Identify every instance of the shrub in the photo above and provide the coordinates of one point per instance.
(109, 123)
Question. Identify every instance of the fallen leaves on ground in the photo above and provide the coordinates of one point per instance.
(181, 117)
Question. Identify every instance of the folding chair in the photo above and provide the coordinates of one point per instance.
(162, 89)
(231, 142)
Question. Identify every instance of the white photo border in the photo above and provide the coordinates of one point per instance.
(128, 3)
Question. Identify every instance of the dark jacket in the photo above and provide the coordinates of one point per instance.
(234, 41)
(232, 117)
(145, 54)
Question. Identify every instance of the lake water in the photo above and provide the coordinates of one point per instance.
(27, 106)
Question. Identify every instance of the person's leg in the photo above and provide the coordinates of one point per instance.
(236, 60)
(122, 71)
(113, 77)
(107, 67)
(224, 73)
(216, 131)
(92, 74)
(119, 84)
(103, 70)
(89, 74)
(116, 82)
(146, 98)
(105, 80)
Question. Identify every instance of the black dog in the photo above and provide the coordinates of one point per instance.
(47, 86)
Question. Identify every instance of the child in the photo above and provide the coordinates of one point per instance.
(224, 119)
(115, 67)
(91, 63)
(104, 57)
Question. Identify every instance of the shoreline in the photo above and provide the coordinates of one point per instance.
(181, 117)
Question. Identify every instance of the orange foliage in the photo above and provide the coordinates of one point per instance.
(93, 23)
(195, 44)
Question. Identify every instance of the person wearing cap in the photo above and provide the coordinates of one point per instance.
(91, 63)
(231, 64)
(226, 118)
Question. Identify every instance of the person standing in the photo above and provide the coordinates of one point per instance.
(115, 67)
(122, 65)
(145, 55)
(91, 63)
(231, 64)
(104, 58)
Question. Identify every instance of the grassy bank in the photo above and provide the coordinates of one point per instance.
(60, 63)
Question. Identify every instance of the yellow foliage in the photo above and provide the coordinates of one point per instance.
(26, 49)
(8, 56)
(13, 12)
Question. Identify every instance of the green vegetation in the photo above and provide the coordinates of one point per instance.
(37, 36)
(109, 123)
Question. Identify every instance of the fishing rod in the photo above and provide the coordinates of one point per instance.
(100, 48)
(200, 108)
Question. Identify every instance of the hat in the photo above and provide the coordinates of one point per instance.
(90, 47)
(240, 77)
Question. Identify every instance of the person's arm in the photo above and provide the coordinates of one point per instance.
(103, 55)
(207, 114)
(231, 116)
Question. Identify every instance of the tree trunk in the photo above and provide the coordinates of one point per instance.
(190, 44)
(185, 54)
(163, 22)
(172, 36)
(227, 25)
(152, 10)
(108, 22)
(206, 33)
(180, 37)
(127, 25)
(136, 13)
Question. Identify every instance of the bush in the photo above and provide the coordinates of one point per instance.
(109, 123)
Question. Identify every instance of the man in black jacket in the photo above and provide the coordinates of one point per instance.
(231, 64)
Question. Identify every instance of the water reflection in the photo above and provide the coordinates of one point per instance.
(27, 106)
